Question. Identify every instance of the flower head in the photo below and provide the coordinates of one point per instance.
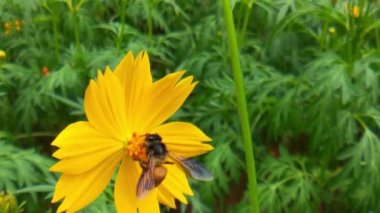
(123, 108)
(3, 54)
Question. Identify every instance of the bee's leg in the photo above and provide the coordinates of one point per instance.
(143, 165)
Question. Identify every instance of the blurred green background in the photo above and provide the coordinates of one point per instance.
(311, 71)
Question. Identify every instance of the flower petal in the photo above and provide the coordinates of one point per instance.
(184, 139)
(166, 198)
(104, 104)
(125, 190)
(162, 100)
(159, 96)
(79, 190)
(136, 78)
(175, 183)
(82, 148)
(84, 163)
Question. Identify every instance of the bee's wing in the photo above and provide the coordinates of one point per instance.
(146, 180)
(194, 169)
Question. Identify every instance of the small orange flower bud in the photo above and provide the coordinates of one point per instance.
(18, 24)
(355, 11)
(45, 71)
(7, 26)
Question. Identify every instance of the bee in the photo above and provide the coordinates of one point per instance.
(153, 171)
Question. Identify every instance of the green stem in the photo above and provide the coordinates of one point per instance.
(240, 13)
(74, 13)
(76, 31)
(150, 25)
(122, 21)
(242, 105)
(245, 23)
(35, 134)
(377, 37)
(55, 37)
(324, 35)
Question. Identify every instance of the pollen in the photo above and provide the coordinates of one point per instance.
(136, 148)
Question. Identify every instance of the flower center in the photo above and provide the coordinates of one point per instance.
(136, 148)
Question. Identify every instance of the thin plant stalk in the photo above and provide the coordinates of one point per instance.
(240, 18)
(122, 22)
(76, 30)
(242, 105)
(148, 9)
(55, 21)
(74, 16)
(55, 38)
(245, 23)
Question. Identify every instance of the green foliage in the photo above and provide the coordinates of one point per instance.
(23, 169)
(311, 71)
(287, 179)
(20, 168)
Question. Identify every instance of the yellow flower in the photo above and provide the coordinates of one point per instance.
(2, 54)
(355, 11)
(122, 108)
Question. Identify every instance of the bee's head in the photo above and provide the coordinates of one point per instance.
(151, 139)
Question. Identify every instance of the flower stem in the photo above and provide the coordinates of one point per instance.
(149, 21)
(242, 105)
(74, 17)
(245, 23)
(56, 37)
(122, 22)
(75, 26)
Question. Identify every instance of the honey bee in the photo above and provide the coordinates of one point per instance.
(153, 171)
